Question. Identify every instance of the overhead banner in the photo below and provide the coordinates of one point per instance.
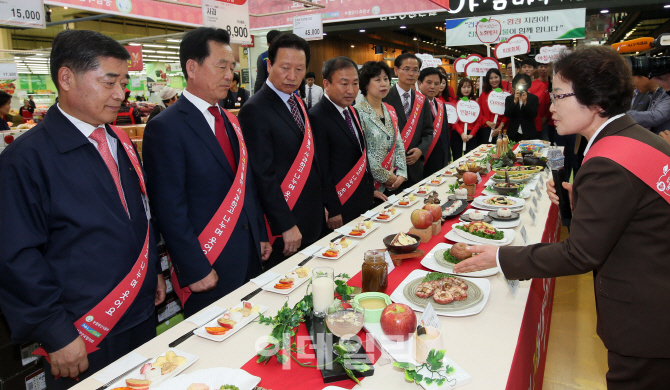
(230, 15)
(537, 26)
(22, 13)
(135, 62)
(308, 27)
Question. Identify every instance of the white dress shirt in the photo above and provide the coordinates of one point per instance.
(402, 92)
(341, 110)
(203, 107)
(87, 130)
(317, 93)
(284, 96)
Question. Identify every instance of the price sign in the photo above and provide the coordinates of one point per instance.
(8, 71)
(538, 191)
(535, 202)
(532, 216)
(524, 235)
(23, 13)
(135, 83)
(513, 286)
(308, 27)
(429, 318)
(232, 16)
(541, 180)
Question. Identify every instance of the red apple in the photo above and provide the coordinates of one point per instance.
(398, 321)
(469, 178)
(421, 219)
(9, 139)
(434, 209)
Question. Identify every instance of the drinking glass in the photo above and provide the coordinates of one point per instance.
(345, 321)
(323, 290)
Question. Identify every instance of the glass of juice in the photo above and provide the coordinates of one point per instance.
(323, 290)
(345, 321)
(427, 341)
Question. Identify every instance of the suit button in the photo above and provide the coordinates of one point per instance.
(245, 226)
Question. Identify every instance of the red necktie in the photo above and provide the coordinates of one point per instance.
(222, 137)
(99, 135)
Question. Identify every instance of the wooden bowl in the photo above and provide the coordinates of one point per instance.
(475, 169)
(402, 248)
(505, 190)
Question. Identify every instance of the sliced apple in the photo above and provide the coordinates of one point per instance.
(159, 362)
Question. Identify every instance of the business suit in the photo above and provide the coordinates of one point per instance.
(229, 102)
(188, 177)
(66, 240)
(641, 101)
(423, 135)
(524, 116)
(441, 154)
(261, 71)
(274, 139)
(339, 151)
(619, 231)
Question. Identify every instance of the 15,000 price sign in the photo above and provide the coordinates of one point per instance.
(231, 15)
(23, 13)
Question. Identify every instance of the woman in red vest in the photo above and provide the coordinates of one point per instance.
(458, 136)
(26, 111)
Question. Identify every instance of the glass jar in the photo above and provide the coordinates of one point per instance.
(374, 272)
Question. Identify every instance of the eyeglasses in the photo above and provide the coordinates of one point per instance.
(410, 71)
(555, 98)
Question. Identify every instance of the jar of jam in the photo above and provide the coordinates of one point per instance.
(375, 272)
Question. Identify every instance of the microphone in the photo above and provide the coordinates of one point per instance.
(556, 161)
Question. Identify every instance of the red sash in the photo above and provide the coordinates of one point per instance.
(95, 325)
(437, 131)
(413, 120)
(297, 175)
(216, 234)
(388, 160)
(349, 183)
(647, 163)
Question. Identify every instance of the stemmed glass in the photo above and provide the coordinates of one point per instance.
(345, 321)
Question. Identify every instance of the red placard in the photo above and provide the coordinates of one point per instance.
(135, 61)
(251, 44)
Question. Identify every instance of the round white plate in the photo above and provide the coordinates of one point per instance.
(479, 201)
(214, 378)
(429, 262)
(453, 236)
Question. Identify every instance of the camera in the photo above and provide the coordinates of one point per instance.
(652, 66)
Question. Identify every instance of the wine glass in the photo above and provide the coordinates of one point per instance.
(345, 321)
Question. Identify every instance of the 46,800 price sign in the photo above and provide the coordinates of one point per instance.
(23, 13)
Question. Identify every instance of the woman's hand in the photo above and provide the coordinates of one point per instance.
(516, 96)
(553, 196)
(392, 178)
(464, 137)
(490, 124)
(398, 182)
(524, 97)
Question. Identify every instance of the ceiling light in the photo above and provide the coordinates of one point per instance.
(64, 7)
(134, 44)
(173, 40)
(403, 26)
(17, 58)
(173, 58)
(148, 51)
(173, 47)
(165, 52)
(605, 11)
(158, 46)
(325, 34)
(361, 30)
(666, 6)
(416, 39)
(352, 45)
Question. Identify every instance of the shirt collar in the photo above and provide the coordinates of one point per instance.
(284, 96)
(340, 109)
(402, 91)
(595, 135)
(82, 126)
(199, 103)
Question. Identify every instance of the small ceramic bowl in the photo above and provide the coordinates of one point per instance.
(373, 316)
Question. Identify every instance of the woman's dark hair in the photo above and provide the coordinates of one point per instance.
(236, 77)
(445, 92)
(334, 64)
(486, 86)
(463, 81)
(520, 76)
(369, 71)
(4, 98)
(287, 41)
(81, 51)
(195, 45)
(600, 77)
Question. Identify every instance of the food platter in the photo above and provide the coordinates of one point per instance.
(452, 235)
(422, 188)
(202, 332)
(137, 375)
(455, 212)
(410, 204)
(214, 378)
(347, 230)
(435, 182)
(516, 178)
(475, 295)
(466, 217)
(519, 169)
(481, 240)
(344, 251)
(431, 262)
(393, 216)
(297, 283)
(494, 215)
(488, 201)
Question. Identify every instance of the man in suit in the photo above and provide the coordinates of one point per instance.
(74, 221)
(313, 93)
(341, 145)
(619, 222)
(439, 153)
(192, 152)
(261, 62)
(414, 116)
(283, 160)
(237, 95)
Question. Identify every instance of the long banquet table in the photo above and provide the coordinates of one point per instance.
(503, 347)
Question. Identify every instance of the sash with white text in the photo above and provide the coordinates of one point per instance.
(413, 120)
(437, 131)
(349, 183)
(388, 160)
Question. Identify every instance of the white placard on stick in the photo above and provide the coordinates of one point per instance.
(496, 101)
(308, 27)
(452, 115)
(22, 13)
(480, 68)
(514, 46)
(549, 54)
(232, 16)
(488, 30)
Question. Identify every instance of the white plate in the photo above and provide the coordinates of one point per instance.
(446, 173)
(498, 224)
(346, 230)
(422, 195)
(453, 236)
(245, 320)
(298, 282)
(524, 194)
(481, 240)
(487, 208)
(406, 206)
(429, 262)
(483, 284)
(214, 378)
(343, 252)
(391, 218)
(135, 374)
(442, 181)
(479, 201)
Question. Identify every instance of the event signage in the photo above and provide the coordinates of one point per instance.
(524, 235)
(230, 15)
(135, 61)
(468, 110)
(549, 54)
(514, 46)
(538, 191)
(22, 13)
(537, 26)
(452, 114)
(460, 63)
(308, 27)
(488, 30)
(480, 68)
(496, 101)
(8, 71)
(535, 202)
(428, 61)
(513, 286)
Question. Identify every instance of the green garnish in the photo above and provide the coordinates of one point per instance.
(435, 276)
(450, 258)
(498, 236)
(229, 387)
(437, 373)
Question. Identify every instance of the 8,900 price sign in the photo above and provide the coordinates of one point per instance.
(309, 27)
(232, 16)
(22, 13)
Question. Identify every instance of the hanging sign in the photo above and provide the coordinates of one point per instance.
(549, 54)
(452, 115)
(488, 30)
(467, 110)
(230, 15)
(135, 61)
(22, 13)
(308, 27)
(428, 61)
(480, 68)
(8, 71)
(514, 46)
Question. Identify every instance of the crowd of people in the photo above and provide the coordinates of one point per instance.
(232, 196)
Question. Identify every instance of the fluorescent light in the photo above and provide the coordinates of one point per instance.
(173, 40)
(173, 58)
(352, 46)
(605, 11)
(325, 34)
(158, 46)
(134, 44)
(416, 39)
(403, 27)
(17, 58)
(148, 51)
(173, 47)
(39, 54)
(165, 52)
(361, 30)
(666, 6)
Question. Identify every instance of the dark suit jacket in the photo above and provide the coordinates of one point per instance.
(522, 115)
(641, 102)
(441, 154)
(188, 177)
(423, 135)
(261, 71)
(339, 151)
(619, 231)
(274, 138)
(65, 238)
(229, 103)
